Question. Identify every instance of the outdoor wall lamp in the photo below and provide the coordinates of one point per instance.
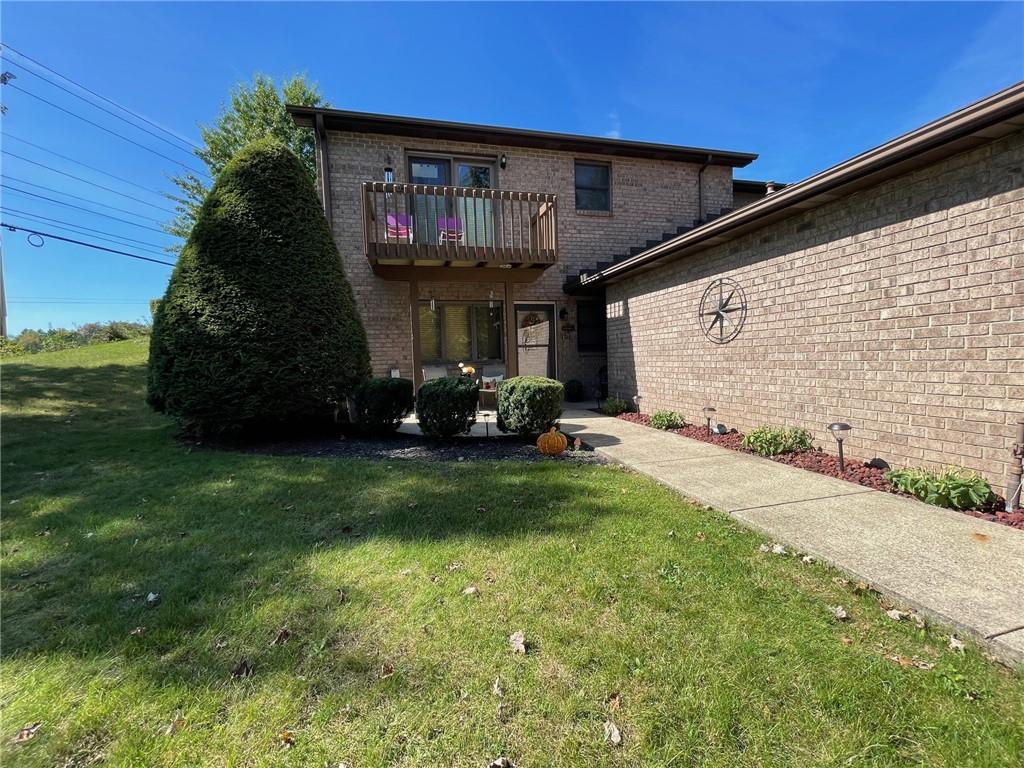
(503, 162)
(839, 430)
(709, 414)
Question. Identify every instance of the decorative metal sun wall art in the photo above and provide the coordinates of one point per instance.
(723, 309)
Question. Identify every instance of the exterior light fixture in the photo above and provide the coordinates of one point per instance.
(839, 430)
(709, 414)
(504, 161)
(433, 304)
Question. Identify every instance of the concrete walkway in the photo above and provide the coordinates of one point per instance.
(959, 570)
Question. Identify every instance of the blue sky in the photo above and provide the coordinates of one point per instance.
(805, 85)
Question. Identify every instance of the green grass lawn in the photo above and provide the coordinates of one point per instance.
(720, 655)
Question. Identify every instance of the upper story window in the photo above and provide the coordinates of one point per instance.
(593, 186)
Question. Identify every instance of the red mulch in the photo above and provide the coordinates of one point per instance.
(827, 464)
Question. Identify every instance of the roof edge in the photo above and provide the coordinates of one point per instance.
(1005, 106)
(369, 122)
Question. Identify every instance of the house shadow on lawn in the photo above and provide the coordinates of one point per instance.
(102, 507)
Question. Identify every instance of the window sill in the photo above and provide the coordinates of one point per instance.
(593, 213)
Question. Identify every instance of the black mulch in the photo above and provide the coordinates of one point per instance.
(414, 447)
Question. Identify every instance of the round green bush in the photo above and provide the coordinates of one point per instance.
(379, 405)
(667, 420)
(574, 390)
(258, 326)
(447, 407)
(529, 405)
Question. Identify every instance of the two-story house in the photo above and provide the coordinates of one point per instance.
(459, 239)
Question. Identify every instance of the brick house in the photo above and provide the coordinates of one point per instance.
(479, 228)
(887, 291)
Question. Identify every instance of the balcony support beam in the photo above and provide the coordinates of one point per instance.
(511, 336)
(414, 316)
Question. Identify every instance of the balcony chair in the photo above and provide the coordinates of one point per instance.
(450, 230)
(399, 227)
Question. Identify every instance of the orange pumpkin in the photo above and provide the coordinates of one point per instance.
(552, 442)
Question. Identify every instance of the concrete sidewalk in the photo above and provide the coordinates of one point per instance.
(959, 570)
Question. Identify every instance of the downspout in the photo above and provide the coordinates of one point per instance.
(1013, 481)
(324, 166)
(700, 190)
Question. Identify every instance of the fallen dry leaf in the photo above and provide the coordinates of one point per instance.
(387, 669)
(861, 587)
(496, 689)
(405, 572)
(453, 566)
(839, 612)
(809, 559)
(137, 632)
(434, 578)
(895, 614)
(501, 762)
(846, 640)
(612, 734)
(980, 536)
(153, 599)
(286, 739)
(176, 724)
(955, 644)
(411, 505)
(700, 536)
(342, 597)
(576, 444)
(615, 701)
(518, 641)
(27, 733)
(471, 591)
(282, 636)
(243, 669)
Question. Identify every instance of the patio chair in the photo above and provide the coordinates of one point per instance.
(450, 230)
(399, 227)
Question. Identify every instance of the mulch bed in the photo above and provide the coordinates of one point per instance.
(825, 463)
(416, 448)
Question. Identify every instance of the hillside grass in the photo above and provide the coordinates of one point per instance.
(637, 607)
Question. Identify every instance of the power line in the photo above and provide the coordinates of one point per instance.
(104, 109)
(13, 228)
(78, 162)
(84, 303)
(79, 229)
(83, 199)
(123, 108)
(108, 130)
(80, 208)
(84, 181)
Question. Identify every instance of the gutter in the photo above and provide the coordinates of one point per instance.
(984, 121)
(320, 135)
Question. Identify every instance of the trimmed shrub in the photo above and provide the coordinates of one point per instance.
(574, 390)
(379, 405)
(529, 405)
(258, 326)
(447, 407)
(667, 420)
(771, 441)
(953, 487)
(613, 406)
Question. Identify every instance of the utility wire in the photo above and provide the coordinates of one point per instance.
(13, 228)
(104, 109)
(97, 234)
(84, 165)
(108, 130)
(73, 301)
(82, 199)
(84, 181)
(123, 108)
(80, 208)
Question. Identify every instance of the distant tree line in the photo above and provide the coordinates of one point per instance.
(30, 341)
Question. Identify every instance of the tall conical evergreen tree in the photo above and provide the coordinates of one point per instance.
(258, 326)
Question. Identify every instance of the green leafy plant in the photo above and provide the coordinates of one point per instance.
(613, 406)
(953, 487)
(529, 405)
(447, 407)
(667, 420)
(379, 405)
(259, 327)
(771, 441)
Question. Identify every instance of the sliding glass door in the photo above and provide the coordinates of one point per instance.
(461, 220)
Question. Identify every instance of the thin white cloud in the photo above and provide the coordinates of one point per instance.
(615, 132)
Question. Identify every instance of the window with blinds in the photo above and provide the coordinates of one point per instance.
(459, 332)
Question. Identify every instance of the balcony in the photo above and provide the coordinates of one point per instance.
(413, 231)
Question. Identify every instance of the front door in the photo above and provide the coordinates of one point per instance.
(535, 335)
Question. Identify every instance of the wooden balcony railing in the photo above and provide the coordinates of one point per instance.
(418, 223)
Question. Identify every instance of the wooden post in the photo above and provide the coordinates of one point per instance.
(511, 337)
(414, 315)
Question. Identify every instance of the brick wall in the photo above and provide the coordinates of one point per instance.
(648, 198)
(899, 309)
